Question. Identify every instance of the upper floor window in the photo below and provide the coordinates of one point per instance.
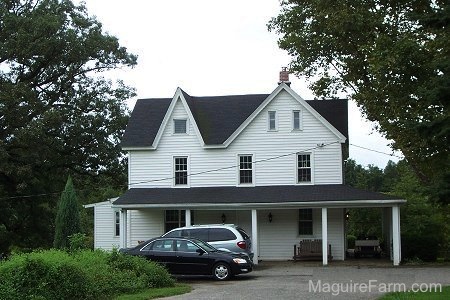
(181, 170)
(245, 169)
(179, 126)
(272, 120)
(296, 120)
(305, 221)
(303, 168)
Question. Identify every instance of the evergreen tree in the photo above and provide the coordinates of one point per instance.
(68, 216)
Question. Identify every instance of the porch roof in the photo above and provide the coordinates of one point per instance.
(332, 195)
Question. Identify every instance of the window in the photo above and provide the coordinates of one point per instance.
(174, 219)
(296, 120)
(303, 168)
(305, 224)
(245, 169)
(185, 246)
(221, 234)
(181, 170)
(161, 245)
(116, 223)
(272, 120)
(179, 126)
(199, 233)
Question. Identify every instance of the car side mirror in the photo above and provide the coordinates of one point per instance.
(200, 251)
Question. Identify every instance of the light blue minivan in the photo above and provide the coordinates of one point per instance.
(222, 236)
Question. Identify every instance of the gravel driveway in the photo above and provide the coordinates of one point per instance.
(295, 280)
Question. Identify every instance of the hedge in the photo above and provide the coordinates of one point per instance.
(86, 274)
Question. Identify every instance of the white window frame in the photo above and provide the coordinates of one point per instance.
(238, 175)
(311, 160)
(180, 119)
(181, 220)
(188, 171)
(116, 222)
(300, 120)
(305, 220)
(268, 120)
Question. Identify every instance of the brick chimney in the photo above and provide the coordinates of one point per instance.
(284, 76)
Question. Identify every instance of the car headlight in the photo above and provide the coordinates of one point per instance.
(239, 260)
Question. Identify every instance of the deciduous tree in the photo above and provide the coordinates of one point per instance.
(58, 115)
(392, 58)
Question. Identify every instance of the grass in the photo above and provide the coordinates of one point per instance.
(445, 294)
(153, 293)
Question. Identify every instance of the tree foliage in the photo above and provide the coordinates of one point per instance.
(68, 217)
(424, 223)
(58, 115)
(392, 58)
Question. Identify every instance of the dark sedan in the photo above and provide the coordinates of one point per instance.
(192, 257)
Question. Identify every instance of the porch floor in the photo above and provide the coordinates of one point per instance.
(349, 262)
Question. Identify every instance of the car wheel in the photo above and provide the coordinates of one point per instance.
(221, 271)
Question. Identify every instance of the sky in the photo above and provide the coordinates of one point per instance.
(210, 47)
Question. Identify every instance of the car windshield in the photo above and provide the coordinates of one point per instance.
(205, 245)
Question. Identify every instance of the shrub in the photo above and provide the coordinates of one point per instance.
(84, 274)
(153, 274)
(351, 241)
(78, 241)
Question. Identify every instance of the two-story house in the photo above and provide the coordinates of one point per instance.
(272, 163)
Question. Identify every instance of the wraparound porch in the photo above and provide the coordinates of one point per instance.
(274, 230)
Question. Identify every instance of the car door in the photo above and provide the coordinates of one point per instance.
(191, 259)
(163, 252)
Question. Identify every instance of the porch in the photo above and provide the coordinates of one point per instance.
(269, 214)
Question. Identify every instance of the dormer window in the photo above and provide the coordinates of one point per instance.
(272, 120)
(179, 126)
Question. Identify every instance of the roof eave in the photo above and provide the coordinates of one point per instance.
(144, 148)
(272, 205)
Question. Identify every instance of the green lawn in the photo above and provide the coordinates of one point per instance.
(178, 289)
(445, 294)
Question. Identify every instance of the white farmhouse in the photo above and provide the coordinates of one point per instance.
(271, 163)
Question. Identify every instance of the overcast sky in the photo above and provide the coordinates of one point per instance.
(209, 48)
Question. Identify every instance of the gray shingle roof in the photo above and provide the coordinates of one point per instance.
(217, 117)
(248, 195)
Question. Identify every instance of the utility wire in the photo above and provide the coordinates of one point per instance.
(368, 149)
(235, 166)
(215, 170)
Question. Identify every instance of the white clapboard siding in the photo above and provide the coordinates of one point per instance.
(104, 227)
(147, 168)
(335, 230)
(145, 224)
(277, 239)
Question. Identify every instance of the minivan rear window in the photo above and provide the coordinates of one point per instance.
(198, 233)
(221, 234)
(243, 233)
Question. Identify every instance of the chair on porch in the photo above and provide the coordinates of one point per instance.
(310, 250)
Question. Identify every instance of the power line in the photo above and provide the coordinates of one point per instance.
(193, 174)
(368, 149)
(217, 169)
(237, 165)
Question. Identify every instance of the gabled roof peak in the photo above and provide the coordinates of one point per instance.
(219, 119)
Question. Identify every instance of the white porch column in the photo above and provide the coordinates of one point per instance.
(396, 234)
(188, 217)
(123, 228)
(255, 236)
(324, 236)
